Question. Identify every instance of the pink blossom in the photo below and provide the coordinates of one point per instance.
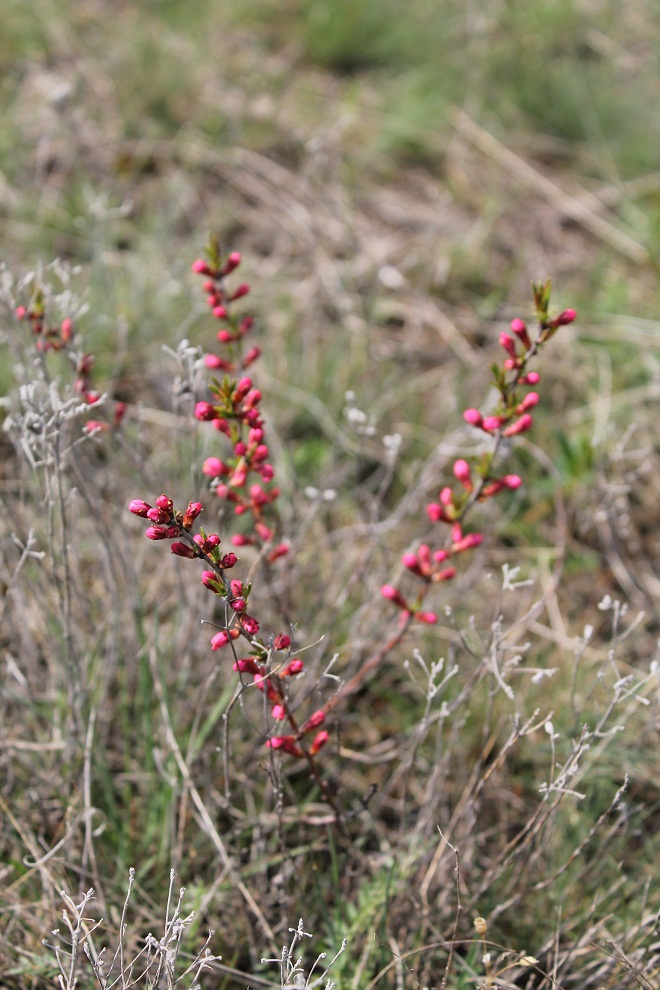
(278, 712)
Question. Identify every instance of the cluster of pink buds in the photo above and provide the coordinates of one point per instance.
(243, 478)
(168, 523)
(476, 482)
(60, 337)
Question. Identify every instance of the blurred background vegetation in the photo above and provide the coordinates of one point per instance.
(395, 175)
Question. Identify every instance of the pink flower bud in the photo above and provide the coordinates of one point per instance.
(21, 312)
(530, 400)
(508, 343)
(200, 267)
(157, 533)
(531, 378)
(281, 550)
(204, 411)
(223, 637)
(410, 561)
(473, 417)
(446, 575)
(564, 318)
(467, 542)
(238, 540)
(511, 481)
(278, 712)
(232, 262)
(165, 503)
(520, 330)
(320, 739)
(249, 665)
(215, 363)
(249, 625)
(429, 617)
(229, 560)
(251, 356)
(242, 388)
(159, 516)
(95, 425)
(213, 467)
(394, 595)
(211, 581)
(287, 744)
(281, 642)
(523, 424)
(293, 668)
(493, 423)
(66, 330)
(242, 290)
(139, 507)
(462, 473)
(238, 604)
(221, 425)
(435, 512)
(314, 720)
(219, 312)
(193, 509)
(183, 550)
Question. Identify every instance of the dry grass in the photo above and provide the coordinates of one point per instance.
(390, 277)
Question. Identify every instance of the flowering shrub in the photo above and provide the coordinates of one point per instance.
(234, 410)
